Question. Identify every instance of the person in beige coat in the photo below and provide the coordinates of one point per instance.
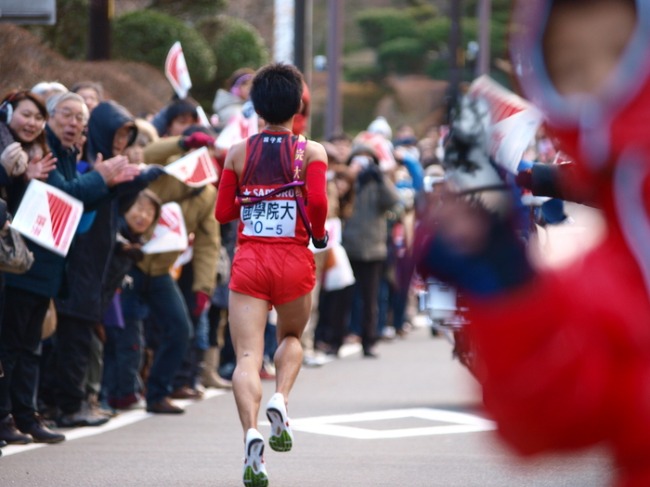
(153, 288)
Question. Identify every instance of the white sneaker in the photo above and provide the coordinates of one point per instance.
(254, 468)
(281, 438)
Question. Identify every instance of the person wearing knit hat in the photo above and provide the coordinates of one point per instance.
(381, 126)
(228, 102)
(365, 235)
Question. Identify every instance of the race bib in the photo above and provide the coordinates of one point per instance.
(272, 218)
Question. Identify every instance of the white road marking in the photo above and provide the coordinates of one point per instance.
(332, 425)
(123, 419)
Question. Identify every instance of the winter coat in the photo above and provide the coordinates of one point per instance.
(121, 261)
(198, 206)
(6, 138)
(90, 258)
(366, 231)
(46, 276)
(226, 105)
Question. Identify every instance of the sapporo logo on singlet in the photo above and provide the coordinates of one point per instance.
(270, 218)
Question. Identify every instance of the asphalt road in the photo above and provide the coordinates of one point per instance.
(410, 418)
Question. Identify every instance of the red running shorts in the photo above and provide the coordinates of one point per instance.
(275, 272)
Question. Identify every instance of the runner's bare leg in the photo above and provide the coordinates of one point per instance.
(292, 319)
(247, 316)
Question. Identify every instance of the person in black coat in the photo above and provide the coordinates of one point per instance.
(111, 129)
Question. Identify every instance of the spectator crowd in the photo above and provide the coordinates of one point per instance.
(111, 326)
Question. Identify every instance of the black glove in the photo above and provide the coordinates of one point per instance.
(321, 243)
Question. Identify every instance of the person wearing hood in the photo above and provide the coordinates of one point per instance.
(111, 129)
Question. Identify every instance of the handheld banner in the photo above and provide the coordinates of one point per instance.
(203, 118)
(177, 72)
(170, 234)
(196, 169)
(48, 217)
(237, 129)
(513, 125)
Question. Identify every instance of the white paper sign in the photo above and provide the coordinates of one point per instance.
(170, 234)
(334, 230)
(196, 169)
(340, 275)
(203, 118)
(48, 217)
(176, 70)
(514, 122)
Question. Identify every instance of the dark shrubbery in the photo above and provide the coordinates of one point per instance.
(146, 36)
(379, 25)
(69, 36)
(402, 56)
(235, 44)
(188, 10)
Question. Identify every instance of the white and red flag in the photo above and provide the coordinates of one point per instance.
(196, 169)
(170, 233)
(237, 129)
(382, 147)
(513, 122)
(177, 72)
(48, 217)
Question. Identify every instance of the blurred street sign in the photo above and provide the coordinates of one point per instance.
(28, 13)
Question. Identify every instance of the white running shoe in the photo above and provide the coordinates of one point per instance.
(254, 468)
(281, 438)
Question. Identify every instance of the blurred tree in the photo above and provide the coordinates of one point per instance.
(235, 44)
(379, 25)
(500, 8)
(403, 55)
(386, 30)
(434, 34)
(422, 12)
(193, 11)
(69, 36)
(147, 36)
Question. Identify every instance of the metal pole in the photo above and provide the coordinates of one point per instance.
(333, 115)
(99, 28)
(455, 53)
(485, 9)
(299, 35)
(303, 37)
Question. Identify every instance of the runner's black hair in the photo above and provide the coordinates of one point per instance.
(276, 92)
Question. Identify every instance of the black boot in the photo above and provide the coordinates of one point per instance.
(11, 434)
